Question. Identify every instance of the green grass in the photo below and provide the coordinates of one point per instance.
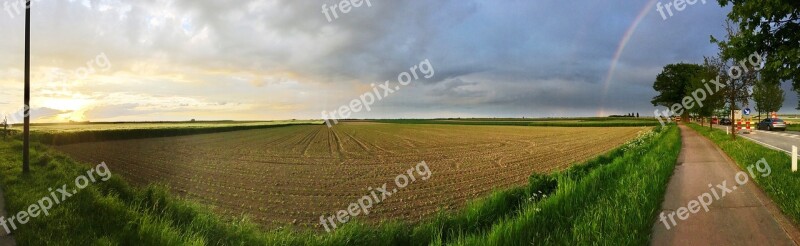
(113, 213)
(615, 204)
(553, 122)
(60, 134)
(792, 121)
(782, 185)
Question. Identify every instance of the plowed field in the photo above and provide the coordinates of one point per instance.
(295, 174)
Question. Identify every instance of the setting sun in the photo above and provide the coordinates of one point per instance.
(65, 104)
(72, 116)
(70, 109)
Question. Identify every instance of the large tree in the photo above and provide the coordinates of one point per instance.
(768, 97)
(672, 84)
(698, 88)
(798, 96)
(771, 28)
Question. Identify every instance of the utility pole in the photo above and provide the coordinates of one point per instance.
(27, 127)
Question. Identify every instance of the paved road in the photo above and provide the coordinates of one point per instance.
(743, 216)
(777, 140)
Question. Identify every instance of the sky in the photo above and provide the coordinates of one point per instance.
(153, 60)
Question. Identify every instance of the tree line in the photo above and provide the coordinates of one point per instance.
(760, 51)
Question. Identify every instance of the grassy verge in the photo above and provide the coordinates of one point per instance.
(615, 204)
(591, 122)
(113, 213)
(782, 185)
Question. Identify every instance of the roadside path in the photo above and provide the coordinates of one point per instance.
(5, 239)
(744, 216)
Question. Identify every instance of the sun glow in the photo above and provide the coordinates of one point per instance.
(66, 104)
(72, 116)
(73, 109)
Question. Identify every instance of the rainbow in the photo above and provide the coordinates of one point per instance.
(620, 48)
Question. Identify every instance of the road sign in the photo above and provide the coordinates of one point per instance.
(746, 111)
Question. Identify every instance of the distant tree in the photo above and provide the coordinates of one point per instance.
(637, 115)
(771, 28)
(672, 82)
(768, 97)
(726, 111)
(5, 127)
(711, 100)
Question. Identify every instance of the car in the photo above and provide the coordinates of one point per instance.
(772, 124)
(725, 122)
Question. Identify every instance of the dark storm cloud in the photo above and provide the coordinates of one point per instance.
(492, 58)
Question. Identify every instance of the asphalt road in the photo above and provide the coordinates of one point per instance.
(776, 140)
